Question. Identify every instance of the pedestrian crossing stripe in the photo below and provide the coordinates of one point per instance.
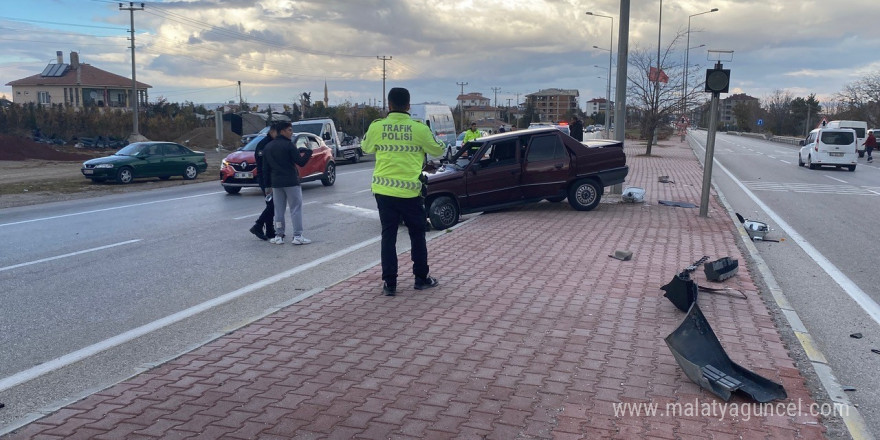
(813, 188)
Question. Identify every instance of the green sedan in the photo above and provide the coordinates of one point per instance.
(147, 159)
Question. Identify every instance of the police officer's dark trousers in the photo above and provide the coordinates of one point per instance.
(391, 211)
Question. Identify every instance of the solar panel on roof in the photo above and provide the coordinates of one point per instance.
(55, 70)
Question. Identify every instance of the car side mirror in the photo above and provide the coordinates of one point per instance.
(326, 136)
(801, 143)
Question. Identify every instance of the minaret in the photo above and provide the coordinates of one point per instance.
(326, 98)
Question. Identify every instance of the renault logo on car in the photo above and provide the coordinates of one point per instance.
(244, 164)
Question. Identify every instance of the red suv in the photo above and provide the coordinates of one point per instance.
(239, 168)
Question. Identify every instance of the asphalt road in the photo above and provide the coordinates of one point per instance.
(95, 290)
(827, 265)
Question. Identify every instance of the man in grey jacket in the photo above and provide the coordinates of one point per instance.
(280, 158)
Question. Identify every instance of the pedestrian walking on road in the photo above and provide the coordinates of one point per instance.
(267, 217)
(400, 145)
(870, 144)
(280, 158)
(577, 129)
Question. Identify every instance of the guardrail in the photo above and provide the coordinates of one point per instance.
(768, 137)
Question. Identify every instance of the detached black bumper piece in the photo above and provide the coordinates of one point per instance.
(681, 291)
(699, 353)
(721, 269)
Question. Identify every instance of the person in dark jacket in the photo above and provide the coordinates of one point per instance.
(280, 158)
(577, 129)
(267, 217)
(870, 144)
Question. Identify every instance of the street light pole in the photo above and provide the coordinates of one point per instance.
(686, 60)
(608, 114)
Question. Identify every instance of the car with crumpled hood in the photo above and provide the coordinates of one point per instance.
(526, 166)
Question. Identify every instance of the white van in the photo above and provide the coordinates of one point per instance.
(861, 128)
(438, 118)
(829, 146)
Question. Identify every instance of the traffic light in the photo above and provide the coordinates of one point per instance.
(717, 80)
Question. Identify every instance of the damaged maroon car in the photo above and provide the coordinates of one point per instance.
(519, 167)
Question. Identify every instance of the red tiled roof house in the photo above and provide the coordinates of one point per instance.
(77, 85)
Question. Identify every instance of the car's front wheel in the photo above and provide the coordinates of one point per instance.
(232, 189)
(800, 161)
(124, 175)
(584, 195)
(329, 175)
(356, 158)
(190, 172)
(443, 213)
(852, 167)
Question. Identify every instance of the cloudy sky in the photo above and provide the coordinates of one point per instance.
(197, 50)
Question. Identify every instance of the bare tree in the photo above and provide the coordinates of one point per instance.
(778, 107)
(860, 100)
(657, 96)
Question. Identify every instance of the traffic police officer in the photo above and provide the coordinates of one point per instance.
(471, 134)
(400, 145)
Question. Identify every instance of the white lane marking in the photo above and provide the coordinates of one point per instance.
(109, 209)
(811, 188)
(370, 170)
(372, 213)
(85, 251)
(785, 161)
(245, 216)
(83, 353)
(857, 294)
(835, 178)
(363, 191)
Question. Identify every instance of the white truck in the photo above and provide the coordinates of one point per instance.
(326, 129)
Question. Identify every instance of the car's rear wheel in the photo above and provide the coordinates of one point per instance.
(329, 175)
(232, 189)
(852, 167)
(443, 213)
(190, 172)
(810, 163)
(124, 175)
(800, 161)
(356, 158)
(861, 154)
(584, 195)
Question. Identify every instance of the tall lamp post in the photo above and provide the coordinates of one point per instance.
(607, 94)
(608, 90)
(686, 60)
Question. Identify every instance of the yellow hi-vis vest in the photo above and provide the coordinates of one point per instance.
(470, 135)
(400, 144)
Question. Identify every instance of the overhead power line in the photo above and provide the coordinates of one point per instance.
(63, 24)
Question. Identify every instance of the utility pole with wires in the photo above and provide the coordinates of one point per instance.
(134, 93)
(384, 98)
(496, 89)
(461, 105)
